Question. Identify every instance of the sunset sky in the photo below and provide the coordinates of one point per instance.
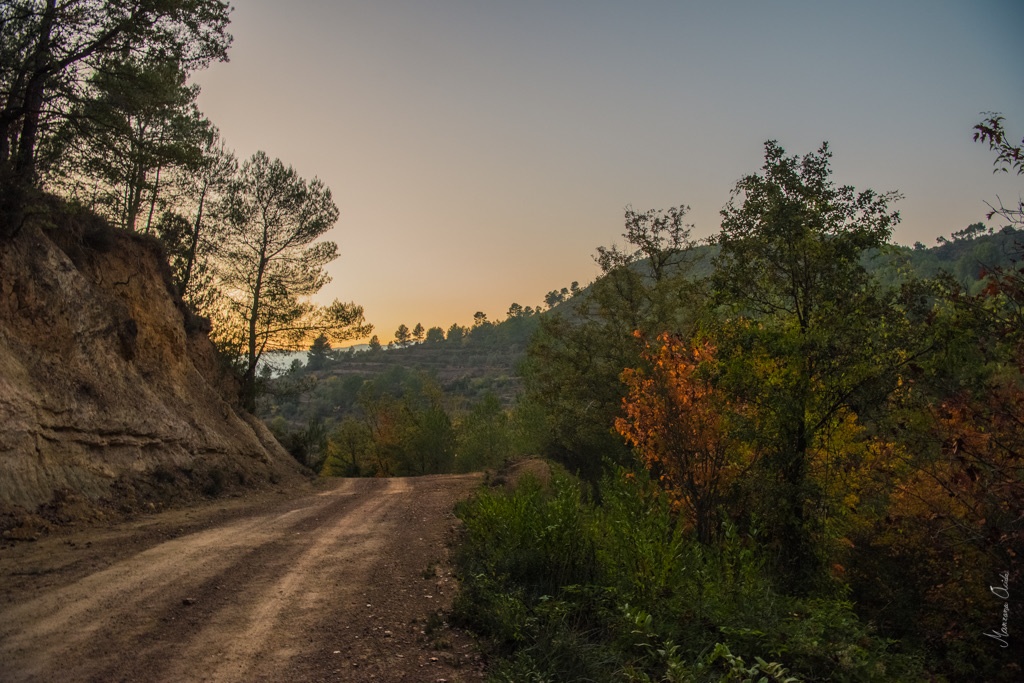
(479, 151)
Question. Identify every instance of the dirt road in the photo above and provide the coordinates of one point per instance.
(341, 584)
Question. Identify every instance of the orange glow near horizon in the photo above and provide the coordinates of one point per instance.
(479, 153)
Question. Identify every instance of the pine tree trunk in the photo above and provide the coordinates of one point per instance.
(152, 203)
(35, 91)
(193, 247)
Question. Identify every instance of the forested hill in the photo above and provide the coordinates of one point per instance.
(410, 397)
(466, 362)
(968, 256)
(485, 357)
(465, 367)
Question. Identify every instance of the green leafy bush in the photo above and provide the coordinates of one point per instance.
(565, 589)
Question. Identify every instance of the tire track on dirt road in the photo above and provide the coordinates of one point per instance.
(326, 587)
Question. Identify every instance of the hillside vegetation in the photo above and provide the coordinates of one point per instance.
(482, 367)
(804, 466)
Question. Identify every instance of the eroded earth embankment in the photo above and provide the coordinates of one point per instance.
(111, 395)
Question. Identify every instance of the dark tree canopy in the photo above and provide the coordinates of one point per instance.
(802, 324)
(50, 51)
(791, 240)
(273, 262)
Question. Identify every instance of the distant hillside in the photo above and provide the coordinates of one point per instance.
(467, 365)
(485, 359)
(467, 369)
(967, 256)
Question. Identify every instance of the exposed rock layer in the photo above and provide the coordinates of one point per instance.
(109, 390)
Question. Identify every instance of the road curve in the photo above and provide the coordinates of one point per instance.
(334, 586)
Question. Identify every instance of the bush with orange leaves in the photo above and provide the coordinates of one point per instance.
(676, 422)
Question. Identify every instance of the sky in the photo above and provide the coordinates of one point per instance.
(480, 151)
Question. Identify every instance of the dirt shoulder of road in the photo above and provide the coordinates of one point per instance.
(337, 580)
(42, 556)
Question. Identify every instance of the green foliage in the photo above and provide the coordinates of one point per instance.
(968, 258)
(484, 438)
(881, 415)
(200, 190)
(528, 427)
(534, 539)
(471, 421)
(349, 449)
(793, 244)
(55, 55)
(121, 147)
(806, 332)
(308, 445)
(319, 352)
(575, 359)
(412, 425)
(564, 589)
(456, 333)
(559, 296)
(435, 335)
(398, 423)
(738, 671)
(273, 263)
(431, 444)
(402, 336)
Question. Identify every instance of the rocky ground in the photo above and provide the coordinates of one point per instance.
(349, 582)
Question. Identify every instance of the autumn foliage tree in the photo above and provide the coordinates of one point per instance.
(951, 523)
(946, 518)
(574, 361)
(677, 422)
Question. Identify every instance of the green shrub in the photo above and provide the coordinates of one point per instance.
(564, 589)
(536, 541)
